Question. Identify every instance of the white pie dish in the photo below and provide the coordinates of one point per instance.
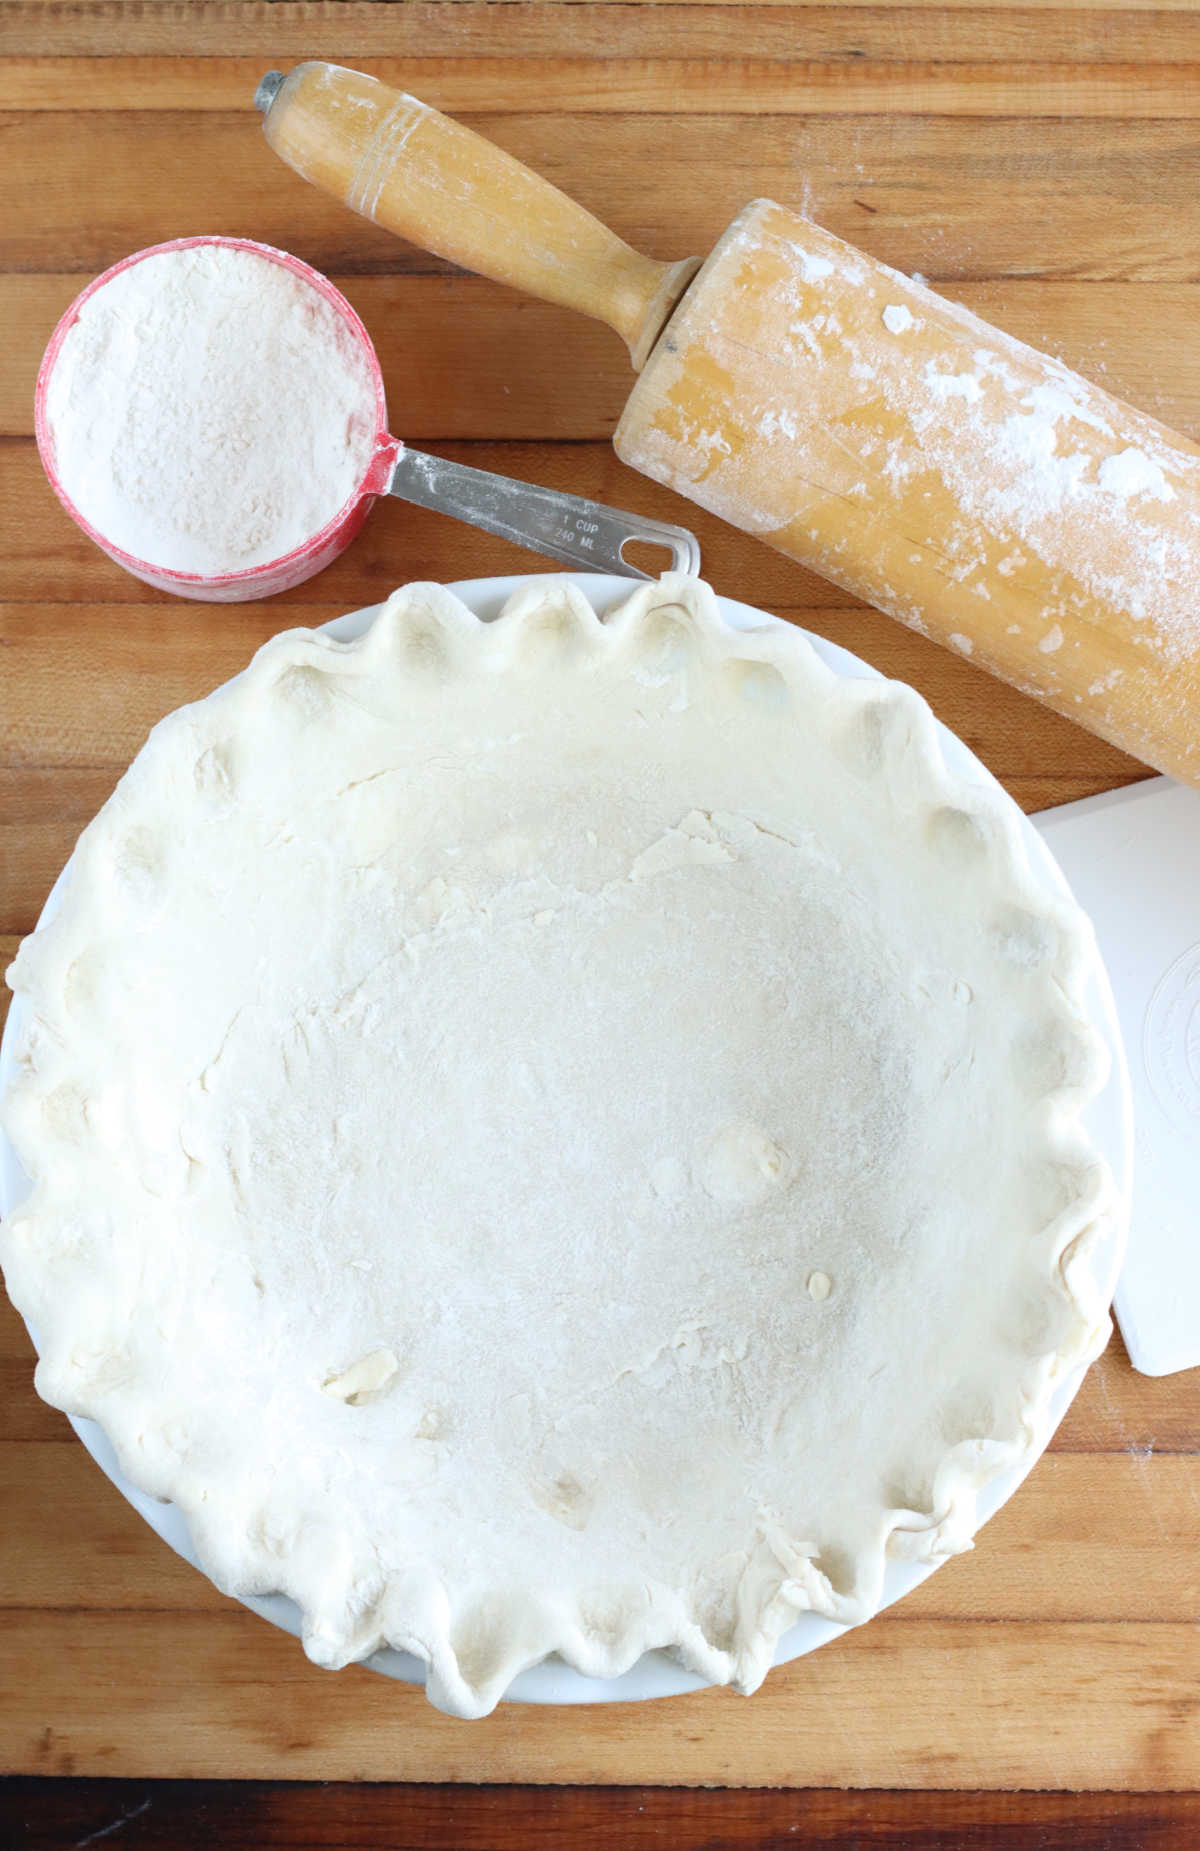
(1108, 1122)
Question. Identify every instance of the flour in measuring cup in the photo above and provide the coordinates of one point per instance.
(210, 410)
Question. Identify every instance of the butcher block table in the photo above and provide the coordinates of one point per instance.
(1037, 162)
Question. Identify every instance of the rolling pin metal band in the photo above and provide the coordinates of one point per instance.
(975, 489)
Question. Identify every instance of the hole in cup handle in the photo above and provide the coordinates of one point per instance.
(652, 557)
(655, 538)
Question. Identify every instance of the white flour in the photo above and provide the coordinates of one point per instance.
(897, 319)
(209, 410)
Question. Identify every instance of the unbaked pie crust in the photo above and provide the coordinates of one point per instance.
(557, 1136)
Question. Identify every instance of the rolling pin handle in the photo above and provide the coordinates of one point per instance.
(396, 161)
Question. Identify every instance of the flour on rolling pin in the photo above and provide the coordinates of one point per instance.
(208, 410)
(938, 468)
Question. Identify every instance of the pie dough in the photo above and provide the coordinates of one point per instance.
(557, 1136)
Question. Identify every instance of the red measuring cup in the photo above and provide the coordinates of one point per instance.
(570, 528)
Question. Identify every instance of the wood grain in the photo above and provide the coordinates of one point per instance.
(894, 32)
(102, 27)
(901, 1703)
(749, 86)
(180, 1816)
(922, 192)
(1039, 162)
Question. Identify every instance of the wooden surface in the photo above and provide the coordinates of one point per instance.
(1038, 162)
(170, 1816)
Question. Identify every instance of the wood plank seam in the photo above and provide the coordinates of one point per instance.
(768, 90)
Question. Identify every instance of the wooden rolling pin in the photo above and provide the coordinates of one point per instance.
(928, 463)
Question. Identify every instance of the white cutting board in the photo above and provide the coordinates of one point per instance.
(1132, 858)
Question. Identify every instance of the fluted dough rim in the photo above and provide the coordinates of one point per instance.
(37, 1242)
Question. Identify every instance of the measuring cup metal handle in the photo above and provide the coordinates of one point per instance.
(580, 533)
